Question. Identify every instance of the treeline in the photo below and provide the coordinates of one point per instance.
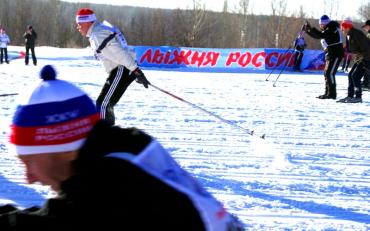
(54, 21)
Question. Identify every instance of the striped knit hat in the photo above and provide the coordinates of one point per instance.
(55, 117)
(85, 15)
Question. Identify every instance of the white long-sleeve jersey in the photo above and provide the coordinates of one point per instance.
(115, 52)
(4, 40)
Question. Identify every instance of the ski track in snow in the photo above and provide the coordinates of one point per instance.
(312, 172)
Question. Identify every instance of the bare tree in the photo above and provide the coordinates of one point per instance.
(364, 11)
(331, 8)
(194, 27)
(277, 23)
(244, 17)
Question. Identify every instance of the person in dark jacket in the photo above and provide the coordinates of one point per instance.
(366, 28)
(359, 46)
(366, 79)
(107, 177)
(30, 37)
(299, 46)
(331, 39)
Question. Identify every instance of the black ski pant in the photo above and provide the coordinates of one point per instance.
(298, 60)
(354, 78)
(365, 80)
(117, 82)
(32, 48)
(331, 67)
(3, 54)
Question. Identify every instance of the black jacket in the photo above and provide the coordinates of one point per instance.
(30, 39)
(333, 38)
(358, 45)
(108, 193)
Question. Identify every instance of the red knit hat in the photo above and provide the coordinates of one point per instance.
(347, 23)
(85, 15)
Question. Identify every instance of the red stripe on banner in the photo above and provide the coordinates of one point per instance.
(56, 134)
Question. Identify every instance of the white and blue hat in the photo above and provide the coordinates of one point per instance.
(54, 117)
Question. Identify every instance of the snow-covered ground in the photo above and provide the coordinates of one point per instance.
(312, 171)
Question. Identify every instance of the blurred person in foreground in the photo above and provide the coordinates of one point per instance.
(106, 177)
(332, 42)
(110, 47)
(359, 46)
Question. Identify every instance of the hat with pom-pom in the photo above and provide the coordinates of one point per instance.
(346, 23)
(324, 20)
(85, 15)
(56, 116)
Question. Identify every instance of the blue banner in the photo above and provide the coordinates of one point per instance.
(224, 60)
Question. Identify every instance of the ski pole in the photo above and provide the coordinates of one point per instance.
(286, 51)
(9, 94)
(286, 64)
(206, 111)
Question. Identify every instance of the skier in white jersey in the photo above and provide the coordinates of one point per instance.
(110, 47)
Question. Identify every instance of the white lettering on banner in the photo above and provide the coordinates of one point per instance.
(63, 128)
(62, 117)
(65, 135)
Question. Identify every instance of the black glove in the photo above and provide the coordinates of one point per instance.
(306, 26)
(4, 221)
(5, 211)
(140, 77)
(7, 208)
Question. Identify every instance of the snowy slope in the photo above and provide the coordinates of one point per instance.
(312, 172)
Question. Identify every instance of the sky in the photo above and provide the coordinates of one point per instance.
(315, 8)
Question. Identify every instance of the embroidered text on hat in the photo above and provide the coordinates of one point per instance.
(55, 117)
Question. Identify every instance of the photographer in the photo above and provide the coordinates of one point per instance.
(30, 37)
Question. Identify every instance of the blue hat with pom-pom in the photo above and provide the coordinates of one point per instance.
(324, 20)
(56, 116)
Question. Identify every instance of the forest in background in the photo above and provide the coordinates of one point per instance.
(54, 22)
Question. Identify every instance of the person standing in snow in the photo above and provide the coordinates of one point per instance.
(110, 47)
(366, 79)
(4, 42)
(30, 37)
(359, 46)
(106, 177)
(299, 46)
(331, 39)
